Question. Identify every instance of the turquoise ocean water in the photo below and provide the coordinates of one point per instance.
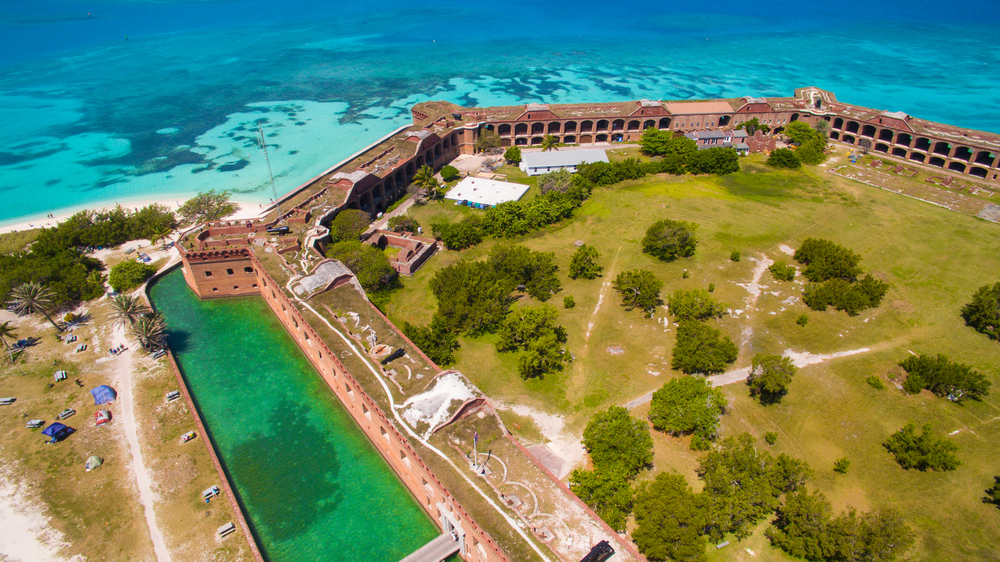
(313, 485)
(127, 100)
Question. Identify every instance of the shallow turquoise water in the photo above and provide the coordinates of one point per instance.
(123, 100)
(313, 485)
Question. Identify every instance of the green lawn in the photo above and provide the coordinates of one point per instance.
(932, 258)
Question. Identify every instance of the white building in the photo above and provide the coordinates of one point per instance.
(474, 191)
(536, 163)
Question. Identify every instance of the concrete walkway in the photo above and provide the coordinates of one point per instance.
(437, 550)
(383, 222)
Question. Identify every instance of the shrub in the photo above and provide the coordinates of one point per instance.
(701, 349)
(784, 158)
(687, 406)
(769, 377)
(668, 240)
(349, 224)
(616, 440)
(694, 305)
(735, 256)
(685, 274)
(568, 301)
(841, 465)
(512, 155)
(129, 274)
(844, 295)
(607, 492)
(459, 235)
(711, 287)
(825, 260)
(802, 320)
(771, 437)
(944, 378)
(368, 263)
(403, 223)
(449, 173)
(583, 264)
(875, 382)
(983, 312)
(560, 180)
(781, 271)
(924, 451)
(434, 340)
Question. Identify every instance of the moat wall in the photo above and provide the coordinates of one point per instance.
(249, 278)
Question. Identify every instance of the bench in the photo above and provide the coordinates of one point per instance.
(226, 529)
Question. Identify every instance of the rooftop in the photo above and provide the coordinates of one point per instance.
(698, 107)
(486, 192)
(559, 158)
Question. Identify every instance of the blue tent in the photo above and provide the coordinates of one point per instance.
(104, 394)
(57, 431)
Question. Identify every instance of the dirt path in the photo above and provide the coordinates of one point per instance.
(124, 368)
(27, 535)
(600, 298)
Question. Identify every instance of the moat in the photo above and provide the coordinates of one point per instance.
(312, 485)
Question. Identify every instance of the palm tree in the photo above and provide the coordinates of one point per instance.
(97, 279)
(160, 235)
(7, 331)
(33, 297)
(149, 329)
(126, 309)
(424, 180)
(550, 142)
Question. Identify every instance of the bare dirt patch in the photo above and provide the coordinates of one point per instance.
(616, 349)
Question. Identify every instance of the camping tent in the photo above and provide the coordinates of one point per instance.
(104, 394)
(102, 417)
(57, 431)
(93, 462)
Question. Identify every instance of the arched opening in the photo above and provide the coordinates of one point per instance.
(353, 205)
(411, 169)
(617, 137)
(838, 123)
(520, 141)
(538, 128)
(401, 178)
(724, 120)
(633, 125)
(586, 139)
(956, 167)
(505, 142)
(963, 153)
(665, 123)
(942, 148)
(834, 135)
(868, 131)
(569, 127)
(985, 158)
(504, 130)
(936, 161)
(879, 147)
(554, 128)
(618, 125)
(602, 125)
(853, 126)
(520, 129)
(429, 157)
(649, 124)
(420, 161)
(390, 185)
(586, 126)
(923, 144)
(536, 140)
(795, 117)
(978, 172)
(366, 202)
(885, 135)
(849, 139)
(904, 139)
(917, 157)
(437, 151)
(569, 139)
(602, 138)
(901, 152)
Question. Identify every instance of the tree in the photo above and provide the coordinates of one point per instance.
(754, 125)
(784, 158)
(7, 331)
(879, 536)
(616, 440)
(826, 260)
(655, 142)
(32, 297)
(716, 160)
(782, 271)
(822, 127)
(640, 289)
(983, 313)
(769, 377)
(801, 526)
(607, 492)
(841, 465)
(449, 173)
(688, 406)
(129, 274)
(701, 349)
(583, 264)
(368, 263)
(403, 223)
(126, 309)
(425, 182)
(150, 329)
(512, 155)
(669, 239)
(924, 451)
(550, 143)
(536, 272)
(206, 207)
(944, 378)
(560, 180)
(349, 224)
(813, 151)
(435, 340)
(799, 132)
(742, 485)
(488, 140)
(459, 235)
(669, 518)
(993, 492)
(534, 331)
(694, 305)
(471, 297)
(97, 279)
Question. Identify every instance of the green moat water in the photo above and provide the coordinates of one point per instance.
(312, 484)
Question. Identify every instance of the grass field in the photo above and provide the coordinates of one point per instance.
(932, 258)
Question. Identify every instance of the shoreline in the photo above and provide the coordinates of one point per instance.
(245, 210)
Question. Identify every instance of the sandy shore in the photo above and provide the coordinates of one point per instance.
(246, 211)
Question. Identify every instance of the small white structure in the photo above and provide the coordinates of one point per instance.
(480, 191)
(537, 163)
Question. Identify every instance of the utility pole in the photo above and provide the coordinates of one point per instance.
(263, 147)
